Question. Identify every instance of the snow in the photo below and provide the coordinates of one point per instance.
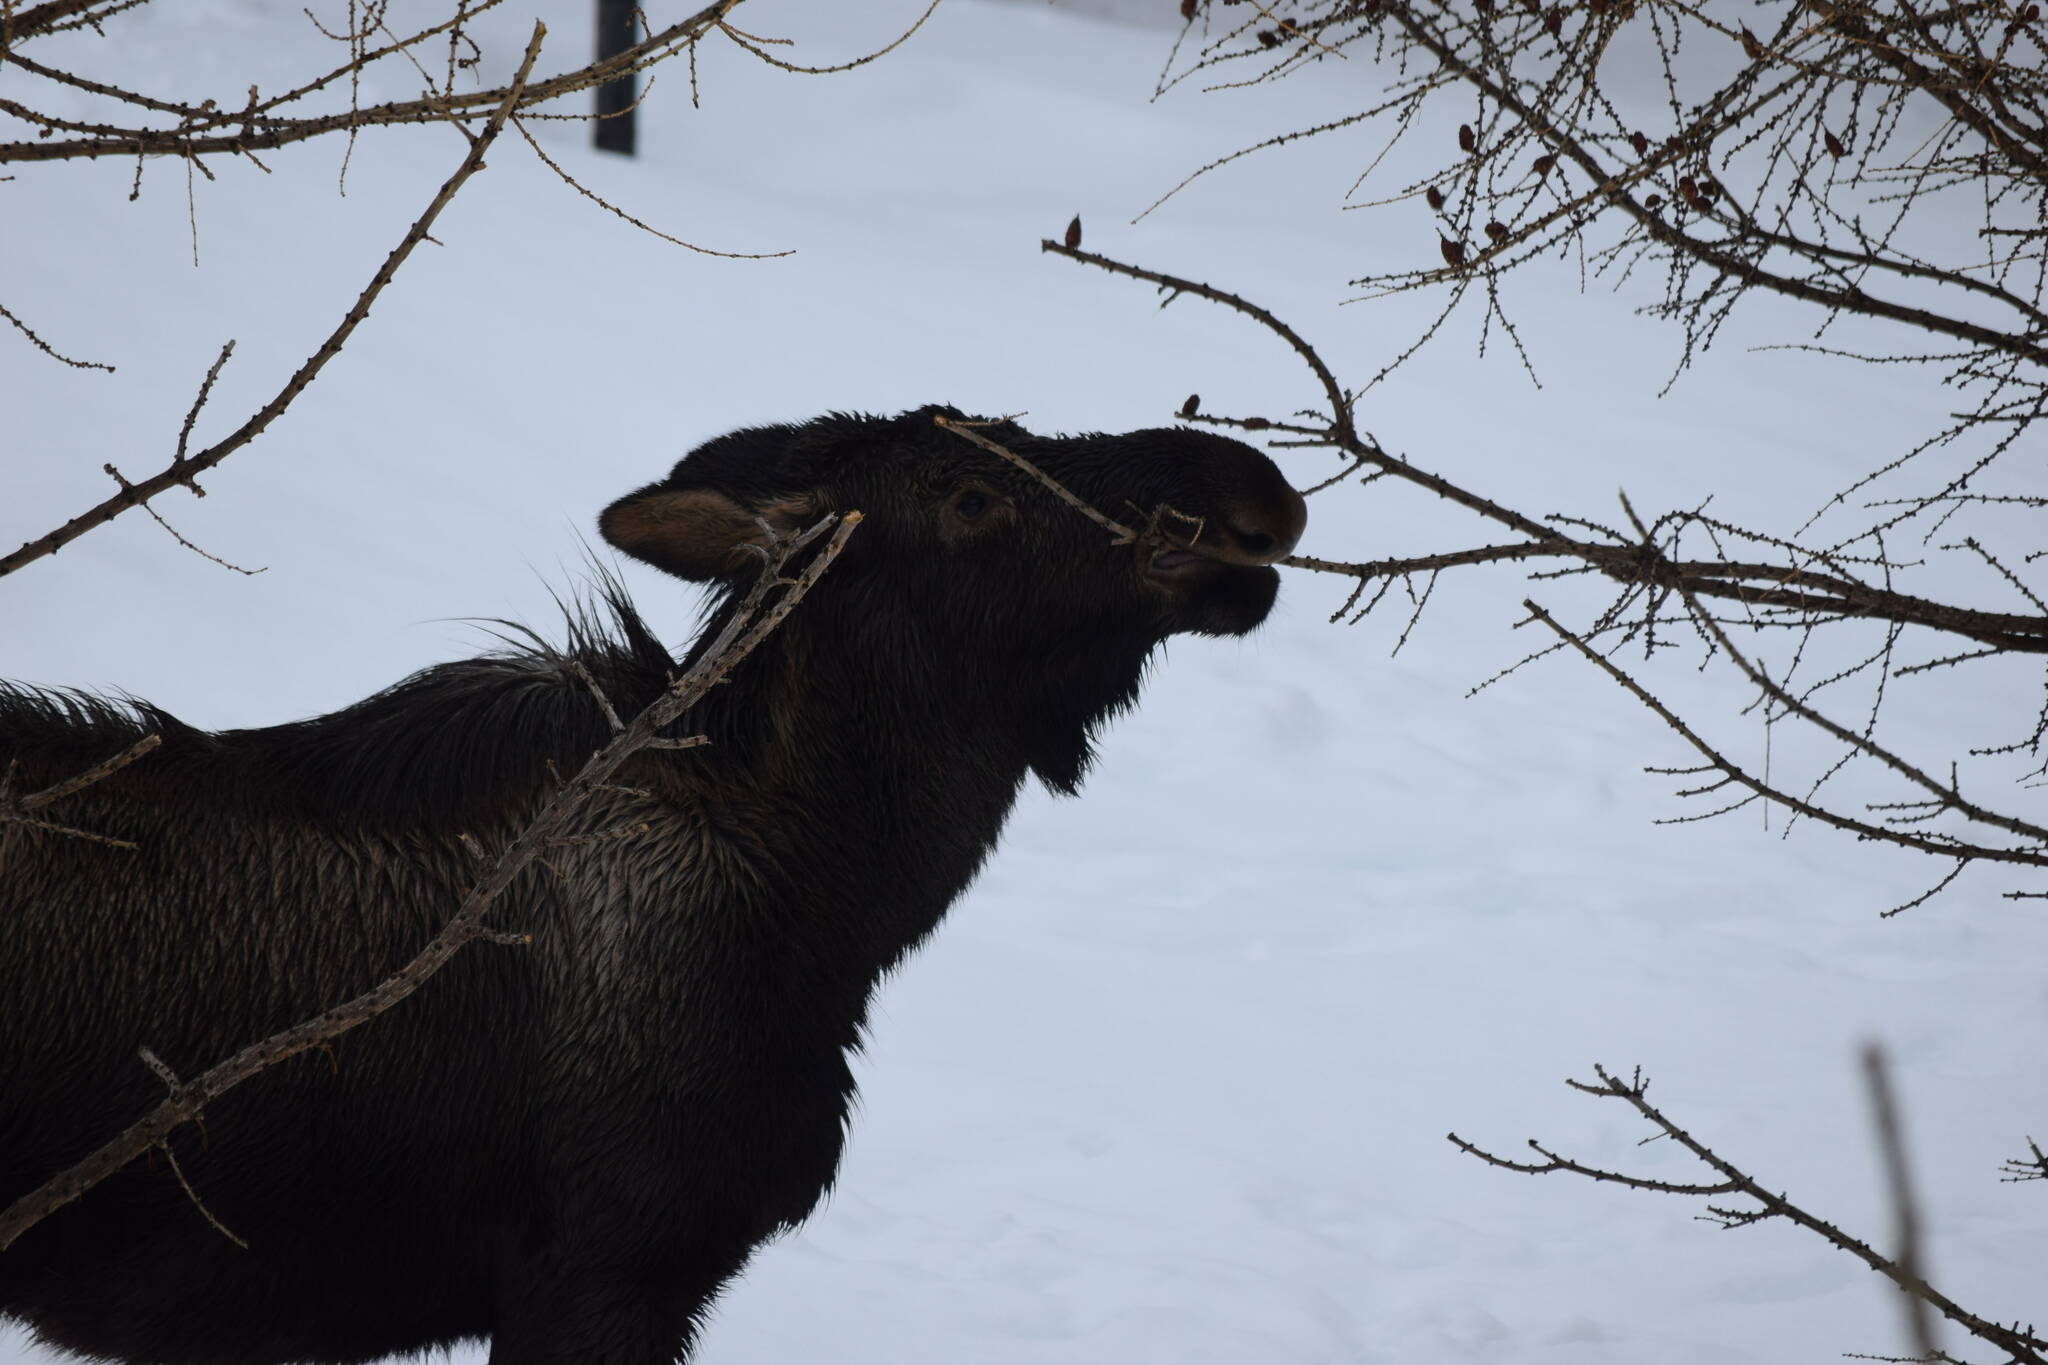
(1172, 1082)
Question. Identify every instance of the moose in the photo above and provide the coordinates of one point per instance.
(567, 1147)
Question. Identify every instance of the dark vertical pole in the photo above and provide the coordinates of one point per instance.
(615, 98)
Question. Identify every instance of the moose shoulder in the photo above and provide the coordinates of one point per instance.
(568, 1147)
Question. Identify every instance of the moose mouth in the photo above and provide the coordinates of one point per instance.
(1224, 582)
(1167, 565)
(1209, 596)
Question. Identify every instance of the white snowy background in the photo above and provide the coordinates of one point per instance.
(1172, 1083)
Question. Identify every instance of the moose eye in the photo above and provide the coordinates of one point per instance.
(970, 504)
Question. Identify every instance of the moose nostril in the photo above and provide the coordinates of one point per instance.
(1266, 530)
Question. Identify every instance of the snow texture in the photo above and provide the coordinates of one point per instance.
(1172, 1082)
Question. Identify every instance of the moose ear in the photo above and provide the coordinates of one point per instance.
(697, 533)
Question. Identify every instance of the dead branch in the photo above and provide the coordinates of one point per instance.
(1945, 796)
(1795, 159)
(573, 183)
(771, 599)
(164, 1073)
(182, 468)
(2035, 856)
(243, 127)
(1753, 584)
(49, 350)
(757, 46)
(2022, 1344)
(2032, 1166)
(20, 810)
(1800, 590)
(99, 772)
(967, 431)
(219, 128)
(1743, 264)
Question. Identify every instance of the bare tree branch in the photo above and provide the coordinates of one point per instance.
(182, 468)
(1797, 160)
(2023, 1345)
(1755, 584)
(210, 128)
(1799, 591)
(50, 351)
(20, 810)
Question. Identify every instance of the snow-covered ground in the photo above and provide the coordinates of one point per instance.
(1172, 1083)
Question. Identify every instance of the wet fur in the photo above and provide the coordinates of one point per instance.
(567, 1147)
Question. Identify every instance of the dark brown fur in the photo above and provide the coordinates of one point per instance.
(566, 1147)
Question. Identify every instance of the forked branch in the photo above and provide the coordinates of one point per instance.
(184, 468)
(1811, 591)
(211, 128)
(2023, 1345)
(21, 809)
(1657, 586)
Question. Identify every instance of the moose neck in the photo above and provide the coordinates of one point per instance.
(889, 758)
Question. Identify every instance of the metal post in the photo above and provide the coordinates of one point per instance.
(614, 127)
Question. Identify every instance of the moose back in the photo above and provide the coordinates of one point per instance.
(568, 1147)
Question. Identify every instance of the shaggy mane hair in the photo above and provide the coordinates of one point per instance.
(430, 752)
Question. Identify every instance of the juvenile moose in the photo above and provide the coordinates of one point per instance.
(567, 1147)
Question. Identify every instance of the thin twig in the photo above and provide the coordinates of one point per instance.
(180, 471)
(50, 351)
(573, 183)
(751, 44)
(217, 130)
(1944, 848)
(2023, 1345)
(1123, 535)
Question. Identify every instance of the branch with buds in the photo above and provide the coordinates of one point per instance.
(1736, 1199)
(1659, 589)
